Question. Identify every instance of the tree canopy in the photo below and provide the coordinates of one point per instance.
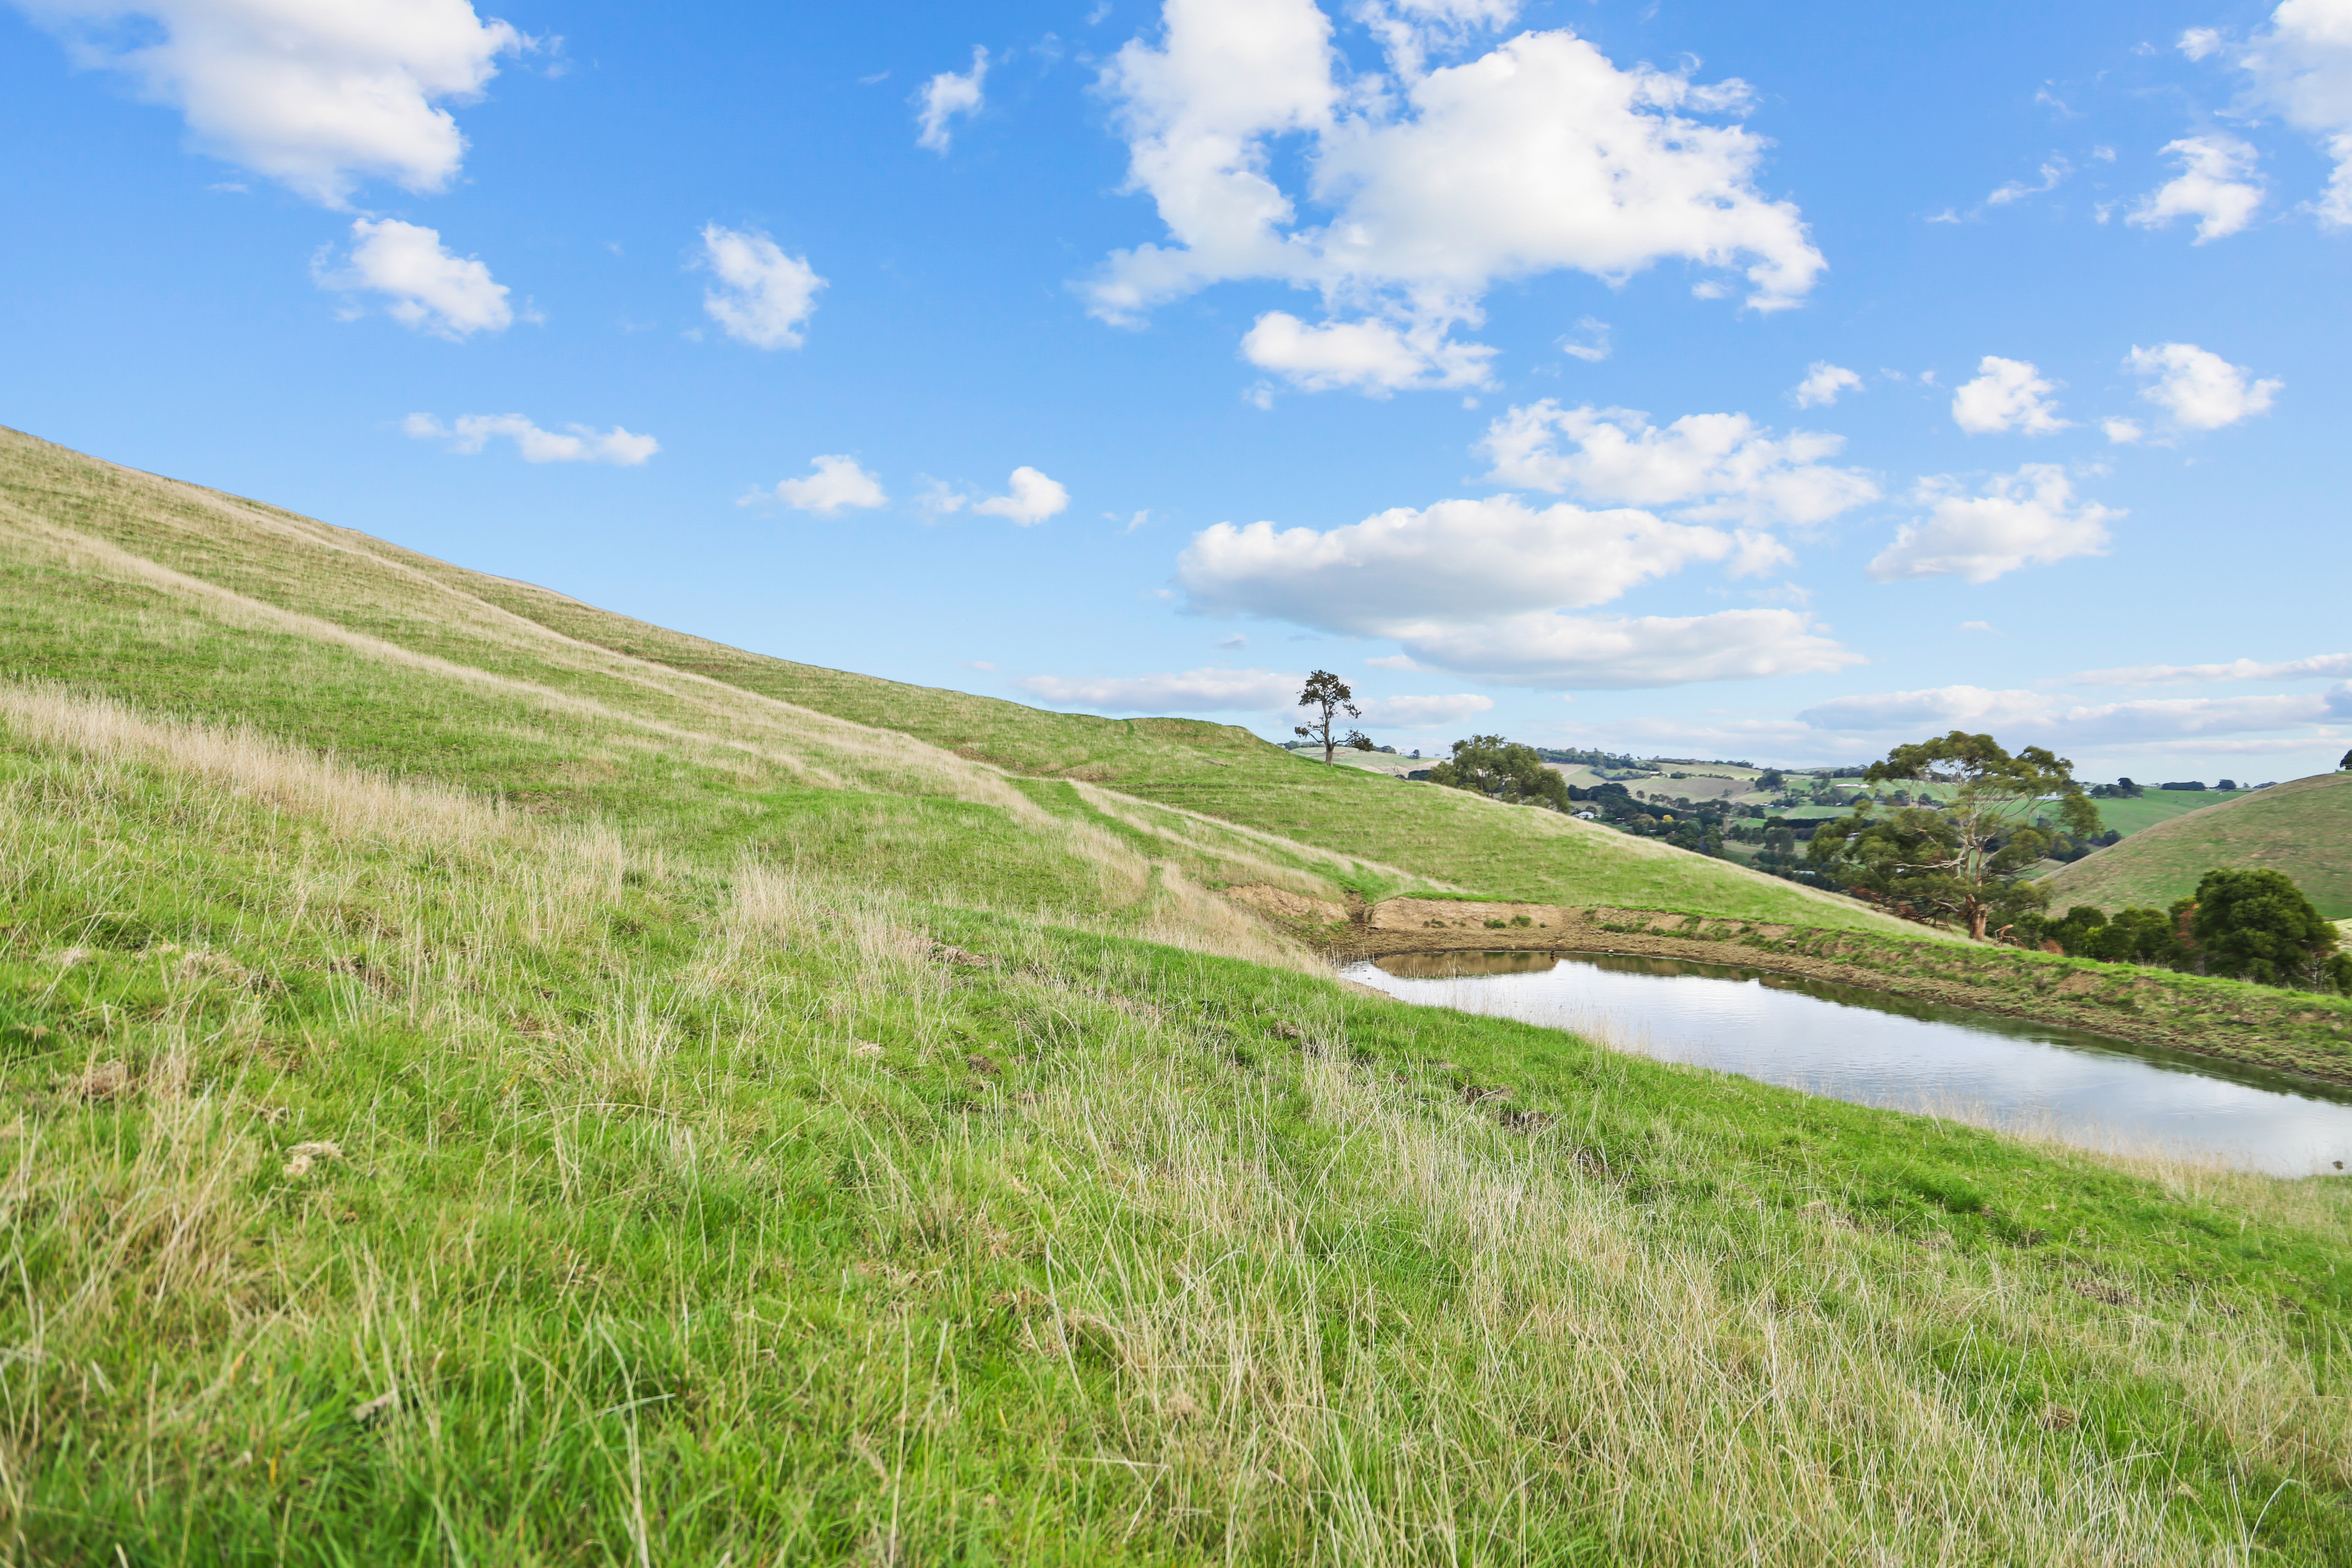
(2255, 924)
(1491, 766)
(1959, 863)
(1328, 696)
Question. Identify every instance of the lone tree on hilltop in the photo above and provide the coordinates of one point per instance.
(1959, 863)
(1328, 696)
(2345, 765)
(1492, 767)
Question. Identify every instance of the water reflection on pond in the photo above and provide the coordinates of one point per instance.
(1875, 1049)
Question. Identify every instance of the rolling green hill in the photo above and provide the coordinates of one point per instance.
(478, 1092)
(2304, 828)
(210, 605)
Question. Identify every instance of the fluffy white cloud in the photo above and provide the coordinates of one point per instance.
(947, 95)
(838, 484)
(1371, 356)
(1423, 712)
(1030, 500)
(2043, 716)
(1458, 560)
(1476, 586)
(2122, 432)
(1208, 690)
(1607, 653)
(763, 297)
(2302, 64)
(2217, 185)
(2006, 395)
(1715, 466)
(472, 432)
(429, 289)
(1434, 183)
(2199, 42)
(2028, 518)
(2197, 389)
(1823, 382)
(2324, 666)
(317, 95)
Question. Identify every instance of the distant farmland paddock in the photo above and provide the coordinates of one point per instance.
(2303, 829)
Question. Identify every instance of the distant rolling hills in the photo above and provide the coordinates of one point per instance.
(2303, 829)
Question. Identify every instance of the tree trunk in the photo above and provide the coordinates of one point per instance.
(1977, 915)
(1329, 745)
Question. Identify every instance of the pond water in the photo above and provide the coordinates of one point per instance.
(1873, 1048)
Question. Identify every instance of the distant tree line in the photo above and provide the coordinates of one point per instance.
(2240, 924)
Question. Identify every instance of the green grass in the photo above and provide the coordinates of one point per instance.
(2303, 829)
(479, 1094)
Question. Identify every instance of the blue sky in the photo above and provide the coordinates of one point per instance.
(1708, 380)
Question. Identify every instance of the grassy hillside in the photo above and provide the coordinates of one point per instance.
(2304, 828)
(512, 1103)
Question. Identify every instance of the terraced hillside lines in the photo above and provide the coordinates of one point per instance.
(89, 546)
(2303, 829)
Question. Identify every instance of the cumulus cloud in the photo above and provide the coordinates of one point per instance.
(1823, 382)
(1432, 183)
(1030, 500)
(2030, 518)
(1457, 560)
(1477, 586)
(2325, 666)
(2006, 395)
(763, 297)
(838, 484)
(428, 288)
(316, 97)
(2199, 42)
(2217, 185)
(1206, 690)
(1371, 356)
(2121, 431)
(1714, 467)
(2301, 66)
(2197, 389)
(944, 97)
(578, 443)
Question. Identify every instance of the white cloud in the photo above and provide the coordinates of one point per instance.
(2028, 518)
(2303, 66)
(430, 289)
(2054, 173)
(837, 485)
(1717, 467)
(1592, 351)
(1598, 653)
(2006, 395)
(2197, 389)
(2323, 666)
(318, 96)
(1977, 627)
(1391, 661)
(2217, 185)
(472, 432)
(1421, 712)
(1030, 498)
(1208, 690)
(2072, 723)
(947, 95)
(1458, 560)
(763, 297)
(1823, 382)
(2199, 42)
(2122, 432)
(1371, 356)
(1434, 183)
(1475, 586)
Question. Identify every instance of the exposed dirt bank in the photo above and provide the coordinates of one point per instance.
(2288, 1031)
